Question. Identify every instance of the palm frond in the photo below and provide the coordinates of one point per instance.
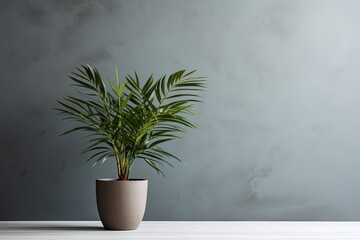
(130, 121)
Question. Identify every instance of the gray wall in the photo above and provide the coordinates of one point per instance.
(279, 129)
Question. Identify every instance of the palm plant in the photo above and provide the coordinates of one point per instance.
(129, 121)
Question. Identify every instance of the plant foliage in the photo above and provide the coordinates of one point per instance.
(127, 120)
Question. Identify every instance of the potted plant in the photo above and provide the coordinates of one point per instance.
(128, 121)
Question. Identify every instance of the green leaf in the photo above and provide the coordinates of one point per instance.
(84, 128)
(153, 165)
(117, 76)
(130, 120)
(114, 88)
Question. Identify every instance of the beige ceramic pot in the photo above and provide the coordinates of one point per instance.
(121, 204)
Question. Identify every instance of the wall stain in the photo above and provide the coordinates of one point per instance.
(85, 12)
(22, 173)
(335, 74)
(35, 14)
(61, 168)
(41, 134)
(97, 55)
(10, 150)
(82, 11)
(81, 18)
(320, 130)
(119, 43)
(273, 26)
(253, 180)
(35, 113)
(273, 20)
(5, 4)
(306, 211)
(40, 55)
(73, 5)
(274, 151)
(11, 141)
(77, 14)
(277, 153)
(260, 171)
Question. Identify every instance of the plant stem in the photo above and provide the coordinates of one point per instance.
(119, 169)
(122, 167)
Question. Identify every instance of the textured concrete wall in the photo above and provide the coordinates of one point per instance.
(279, 129)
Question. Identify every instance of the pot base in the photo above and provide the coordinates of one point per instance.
(121, 204)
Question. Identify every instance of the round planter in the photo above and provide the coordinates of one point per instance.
(121, 204)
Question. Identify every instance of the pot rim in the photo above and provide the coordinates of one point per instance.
(131, 180)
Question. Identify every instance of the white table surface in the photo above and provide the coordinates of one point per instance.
(181, 230)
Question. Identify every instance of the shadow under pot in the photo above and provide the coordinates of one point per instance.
(121, 204)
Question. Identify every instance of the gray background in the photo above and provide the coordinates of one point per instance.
(279, 130)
